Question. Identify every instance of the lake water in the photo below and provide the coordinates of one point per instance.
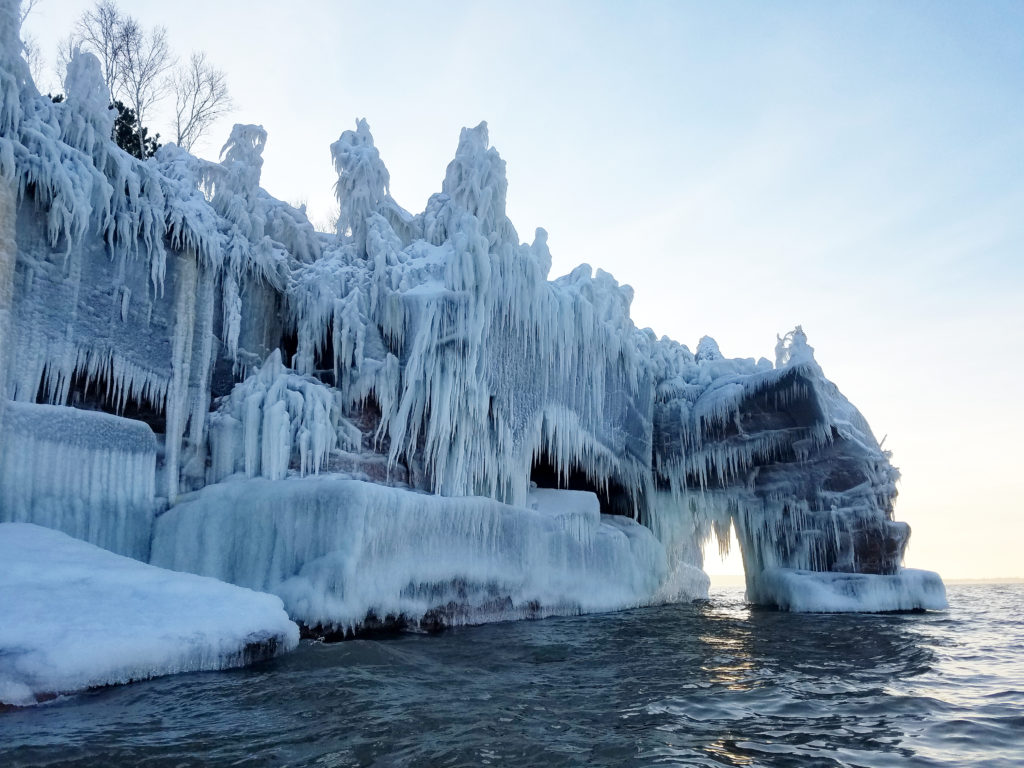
(711, 684)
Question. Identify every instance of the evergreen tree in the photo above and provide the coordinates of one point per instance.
(125, 135)
(128, 138)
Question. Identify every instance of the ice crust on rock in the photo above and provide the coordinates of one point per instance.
(89, 474)
(276, 418)
(830, 592)
(74, 616)
(338, 550)
(427, 352)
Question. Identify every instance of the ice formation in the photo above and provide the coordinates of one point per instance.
(370, 422)
(836, 592)
(74, 616)
(339, 550)
(89, 474)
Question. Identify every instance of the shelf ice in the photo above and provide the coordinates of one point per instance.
(74, 616)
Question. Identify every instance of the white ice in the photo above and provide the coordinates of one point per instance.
(822, 592)
(73, 616)
(433, 341)
(87, 473)
(337, 550)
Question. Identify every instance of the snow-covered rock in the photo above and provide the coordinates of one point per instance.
(74, 616)
(87, 473)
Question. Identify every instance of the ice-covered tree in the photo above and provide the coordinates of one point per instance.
(362, 182)
(135, 63)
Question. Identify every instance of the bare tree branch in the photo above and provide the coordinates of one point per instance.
(200, 97)
(67, 47)
(143, 61)
(26, 9)
(33, 53)
(99, 31)
(34, 57)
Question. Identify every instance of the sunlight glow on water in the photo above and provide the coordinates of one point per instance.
(707, 684)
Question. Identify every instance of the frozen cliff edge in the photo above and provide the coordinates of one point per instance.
(346, 555)
(74, 616)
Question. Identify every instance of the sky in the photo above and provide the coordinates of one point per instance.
(853, 167)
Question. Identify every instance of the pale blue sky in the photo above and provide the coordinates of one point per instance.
(854, 167)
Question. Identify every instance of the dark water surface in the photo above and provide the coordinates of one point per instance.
(704, 684)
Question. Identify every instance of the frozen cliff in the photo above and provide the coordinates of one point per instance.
(374, 423)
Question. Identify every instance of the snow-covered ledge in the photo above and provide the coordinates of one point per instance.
(74, 616)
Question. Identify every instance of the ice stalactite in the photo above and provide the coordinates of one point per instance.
(456, 308)
(203, 357)
(277, 418)
(181, 363)
(14, 72)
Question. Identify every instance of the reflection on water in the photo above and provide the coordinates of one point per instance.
(727, 644)
(708, 684)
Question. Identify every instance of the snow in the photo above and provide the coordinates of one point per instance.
(337, 550)
(821, 592)
(73, 616)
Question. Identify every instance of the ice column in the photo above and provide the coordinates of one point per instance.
(177, 396)
(8, 254)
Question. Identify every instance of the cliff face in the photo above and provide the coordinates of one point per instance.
(778, 452)
(428, 352)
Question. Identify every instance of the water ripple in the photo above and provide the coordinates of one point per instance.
(709, 684)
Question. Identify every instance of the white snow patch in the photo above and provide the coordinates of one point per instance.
(73, 616)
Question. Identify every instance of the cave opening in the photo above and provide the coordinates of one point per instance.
(613, 496)
(289, 346)
(323, 360)
(723, 554)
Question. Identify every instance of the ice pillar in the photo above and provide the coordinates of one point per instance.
(181, 363)
(8, 254)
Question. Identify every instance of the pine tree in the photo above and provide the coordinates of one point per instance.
(125, 135)
(130, 140)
